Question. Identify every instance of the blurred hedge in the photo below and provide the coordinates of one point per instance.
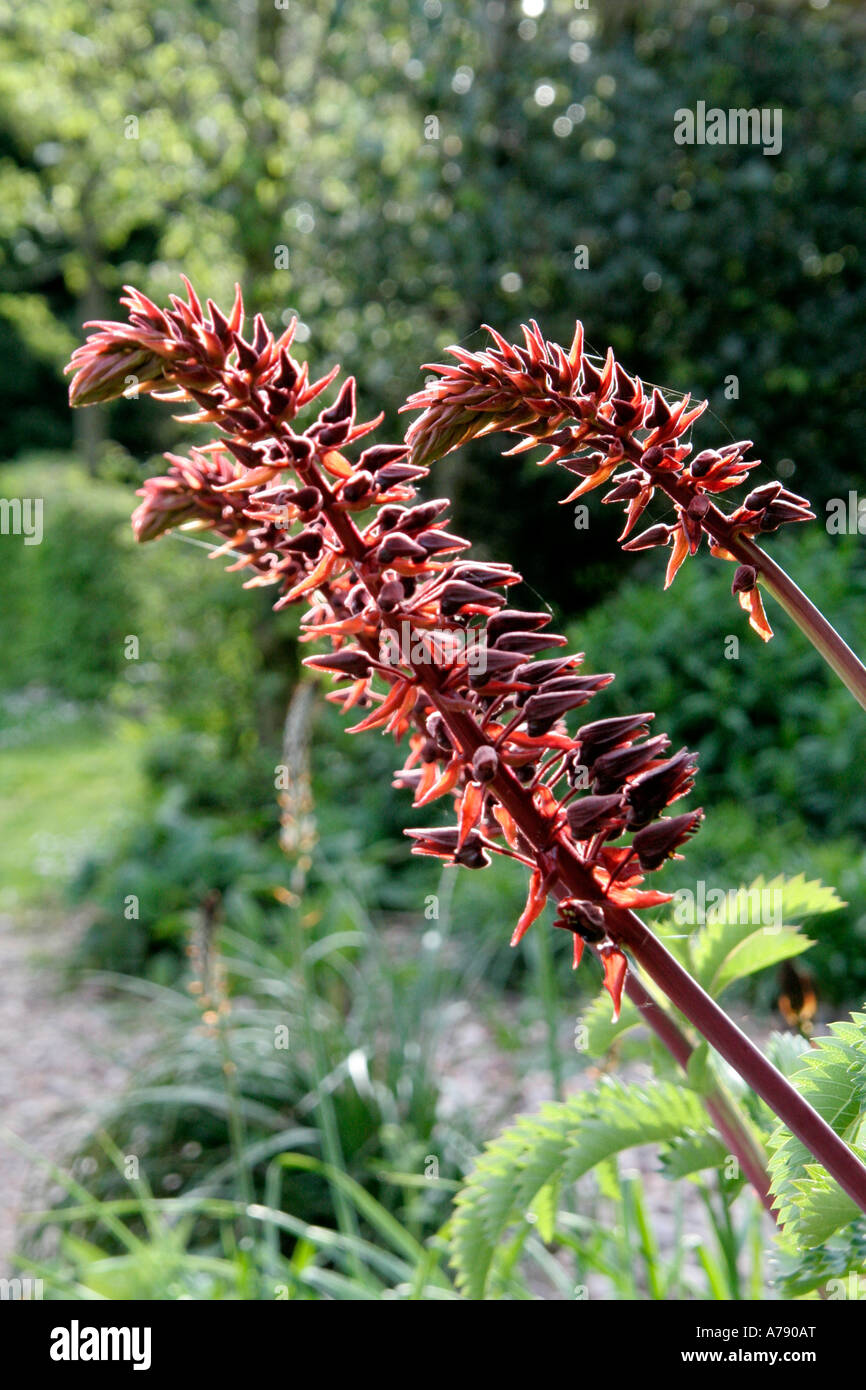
(66, 601)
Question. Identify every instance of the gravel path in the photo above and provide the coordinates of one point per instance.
(65, 1054)
(68, 1052)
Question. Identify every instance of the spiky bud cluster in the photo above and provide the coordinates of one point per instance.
(601, 424)
(423, 640)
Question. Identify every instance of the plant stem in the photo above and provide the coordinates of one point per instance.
(742, 1144)
(732, 1044)
(811, 622)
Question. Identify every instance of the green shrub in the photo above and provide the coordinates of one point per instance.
(66, 601)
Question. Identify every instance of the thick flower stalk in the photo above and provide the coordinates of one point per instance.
(601, 424)
(424, 646)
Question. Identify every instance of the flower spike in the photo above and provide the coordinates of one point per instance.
(598, 422)
(419, 639)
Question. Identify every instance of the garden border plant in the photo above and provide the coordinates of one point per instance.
(350, 536)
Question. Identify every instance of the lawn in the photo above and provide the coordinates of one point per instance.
(66, 779)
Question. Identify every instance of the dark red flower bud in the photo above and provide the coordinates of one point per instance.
(703, 462)
(656, 843)
(219, 324)
(624, 492)
(490, 575)
(380, 455)
(745, 579)
(307, 542)
(245, 453)
(656, 535)
(472, 855)
(528, 642)
(393, 473)
(414, 519)
(584, 467)
(455, 595)
(512, 619)
(652, 791)
(485, 764)
(397, 546)
(287, 376)
(495, 665)
(759, 497)
(435, 542)
(560, 685)
(247, 355)
(660, 412)
(627, 413)
(244, 420)
(611, 769)
(543, 710)
(443, 842)
(391, 595)
(536, 672)
(306, 499)
(348, 661)
(699, 506)
(590, 379)
(356, 488)
(781, 511)
(653, 456)
(332, 436)
(343, 407)
(278, 402)
(604, 734)
(301, 449)
(625, 386)
(592, 814)
(584, 919)
(388, 518)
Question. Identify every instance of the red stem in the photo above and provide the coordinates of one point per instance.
(740, 1142)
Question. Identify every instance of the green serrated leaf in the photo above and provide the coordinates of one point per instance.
(766, 914)
(802, 897)
(698, 1070)
(832, 1077)
(559, 1146)
(544, 1209)
(785, 1051)
(823, 1207)
(765, 947)
(598, 1032)
(693, 1153)
(835, 1267)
